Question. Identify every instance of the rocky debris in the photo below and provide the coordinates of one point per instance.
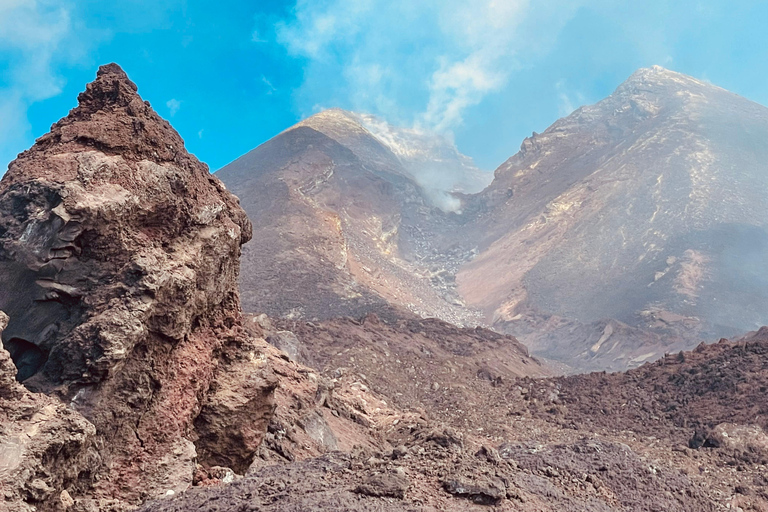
(214, 475)
(527, 447)
(316, 414)
(313, 485)
(593, 475)
(744, 443)
(714, 384)
(416, 364)
(597, 442)
(119, 260)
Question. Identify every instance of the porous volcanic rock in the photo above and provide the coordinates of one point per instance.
(119, 260)
(40, 438)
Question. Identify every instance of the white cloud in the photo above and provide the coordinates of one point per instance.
(41, 38)
(423, 62)
(31, 35)
(173, 106)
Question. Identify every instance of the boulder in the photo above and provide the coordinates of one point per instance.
(119, 260)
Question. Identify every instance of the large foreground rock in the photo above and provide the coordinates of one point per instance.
(119, 259)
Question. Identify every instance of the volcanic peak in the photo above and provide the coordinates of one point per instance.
(112, 88)
(112, 118)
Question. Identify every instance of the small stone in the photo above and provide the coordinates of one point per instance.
(483, 491)
(390, 485)
(66, 500)
(399, 452)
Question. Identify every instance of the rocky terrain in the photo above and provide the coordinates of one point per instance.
(631, 228)
(644, 208)
(669, 436)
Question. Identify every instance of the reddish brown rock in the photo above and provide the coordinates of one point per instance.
(119, 259)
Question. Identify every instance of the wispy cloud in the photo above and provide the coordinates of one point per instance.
(31, 34)
(568, 101)
(447, 55)
(41, 40)
(270, 88)
(173, 106)
(257, 38)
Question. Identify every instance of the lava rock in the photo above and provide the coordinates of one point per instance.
(386, 485)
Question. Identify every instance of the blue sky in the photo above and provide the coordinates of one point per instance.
(231, 74)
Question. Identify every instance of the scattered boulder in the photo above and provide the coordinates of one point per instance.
(746, 443)
(317, 428)
(481, 489)
(384, 485)
(447, 438)
(290, 344)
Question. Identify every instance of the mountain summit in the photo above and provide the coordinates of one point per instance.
(344, 207)
(431, 160)
(647, 208)
(630, 228)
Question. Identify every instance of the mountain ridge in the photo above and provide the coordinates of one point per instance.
(670, 161)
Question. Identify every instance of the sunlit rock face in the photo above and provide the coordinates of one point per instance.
(119, 259)
(648, 207)
(343, 220)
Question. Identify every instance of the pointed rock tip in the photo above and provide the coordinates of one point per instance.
(112, 88)
(112, 69)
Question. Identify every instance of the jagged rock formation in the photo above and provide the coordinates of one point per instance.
(339, 220)
(43, 443)
(119, 259)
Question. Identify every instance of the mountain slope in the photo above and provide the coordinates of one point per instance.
(631, 228)
(339, 222)
(647, 207)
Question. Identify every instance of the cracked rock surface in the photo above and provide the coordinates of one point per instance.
(119, 259)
